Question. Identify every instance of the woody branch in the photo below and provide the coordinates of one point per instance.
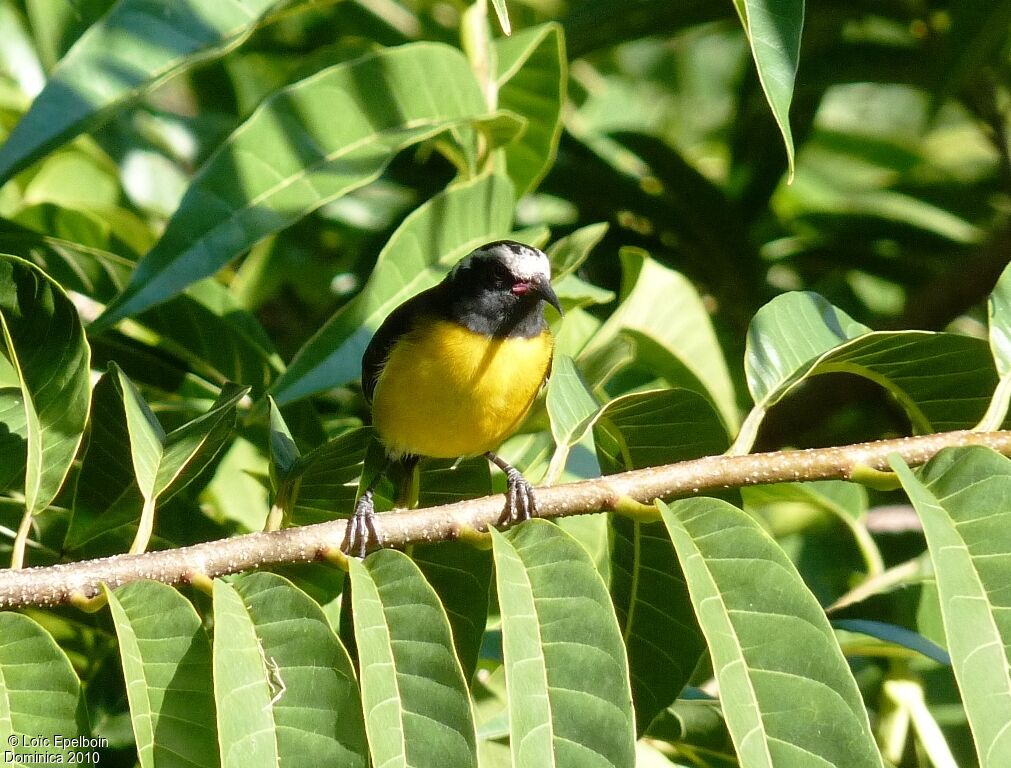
(72, 582)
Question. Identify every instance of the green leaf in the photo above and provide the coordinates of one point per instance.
(57, 26)
(774, 29)
(568, 253)
(571, 408)
(432, 238)
(40, 694)
(787, 336)
(107, 500)
(941, 380)
(204, 326)
(417, 709)
(1000, 323)
(284, 454)
(167, 666)
(325, 480)
(663, 319)
(647, 429)
(532, 73)
(445, 481)
(461, 576)
(191, 447)
(238, 491)
(135, 47)
(574, 292)
(48, 358)
(13, 437)
(98, 274)
(291, 156)
(503, 15)
(960, 496)
(999, 311)
(217, 338)
(776, 660)
(658, 625)
(566, 674)
(847, 502)
(164, 463)
(284, 684)
(147, 438)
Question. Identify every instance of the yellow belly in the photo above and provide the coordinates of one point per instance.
(447, 391)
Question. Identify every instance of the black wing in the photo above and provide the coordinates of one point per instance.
(400, 321)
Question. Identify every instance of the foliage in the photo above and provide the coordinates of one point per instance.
(770, 226)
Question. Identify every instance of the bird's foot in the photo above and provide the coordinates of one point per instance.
(520, 502)
(361, 528)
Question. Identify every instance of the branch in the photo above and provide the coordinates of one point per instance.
(74, 582)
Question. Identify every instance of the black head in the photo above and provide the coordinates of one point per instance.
(501, 288)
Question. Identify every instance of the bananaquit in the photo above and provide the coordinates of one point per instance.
(453, 371)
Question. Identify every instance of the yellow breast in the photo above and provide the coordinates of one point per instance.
(447, 391)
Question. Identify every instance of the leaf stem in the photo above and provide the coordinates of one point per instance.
(21, 540)
(997, 410)
(145, 529)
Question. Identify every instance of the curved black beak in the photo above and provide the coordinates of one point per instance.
(541, 286)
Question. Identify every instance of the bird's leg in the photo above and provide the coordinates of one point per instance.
(520, 502)
(361, 528)
(407, 496)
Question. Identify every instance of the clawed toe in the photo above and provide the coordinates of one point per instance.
(520, 502)
(361, 528)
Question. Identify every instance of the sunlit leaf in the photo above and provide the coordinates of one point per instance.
(290, 157)
(503, 15)
(568, 253)
(167, 665)
(47, 393)
(658, 625)
(961, 498)
(774, 28)
(571, 408)
(279, 700)
(417, 709)
(284, 454)
(566, 674)
(662, 318)
(787, 335)
(999, 311)
(774, 654)
(40, 694)
(167, 461)
(133, 48)
(532, 73)
(941, 380)
(164, 463)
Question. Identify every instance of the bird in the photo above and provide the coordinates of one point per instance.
(454, 370)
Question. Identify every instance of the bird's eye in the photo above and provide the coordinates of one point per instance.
(502, 277)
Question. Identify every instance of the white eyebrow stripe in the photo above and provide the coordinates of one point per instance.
(524, 261)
